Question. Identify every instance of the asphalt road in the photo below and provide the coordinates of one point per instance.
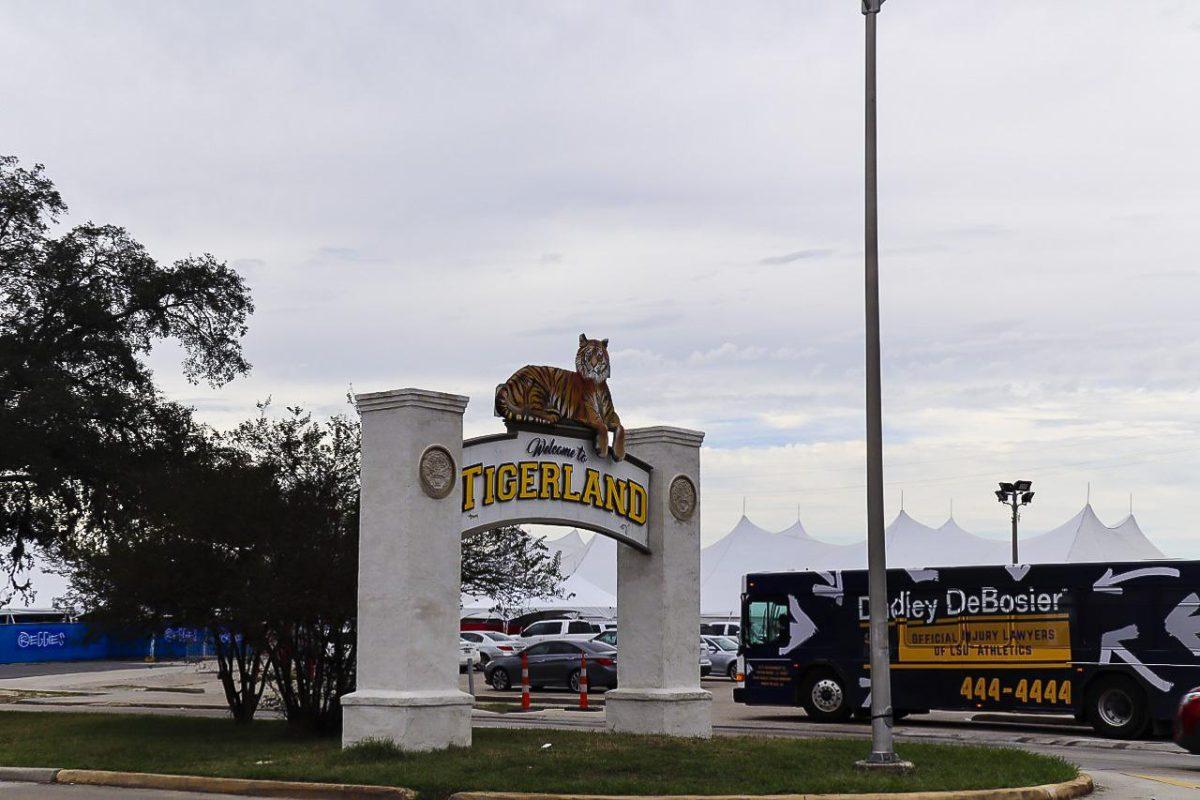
(37, 791)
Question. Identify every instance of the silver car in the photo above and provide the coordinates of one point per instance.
(722, 651)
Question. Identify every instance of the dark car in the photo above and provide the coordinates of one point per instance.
(1187, 722)
(557, 663)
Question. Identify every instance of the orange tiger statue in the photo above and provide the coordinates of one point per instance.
(550, 395)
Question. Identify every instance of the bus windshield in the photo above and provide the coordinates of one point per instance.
(766, 620)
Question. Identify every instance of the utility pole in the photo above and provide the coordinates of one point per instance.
(883, 754)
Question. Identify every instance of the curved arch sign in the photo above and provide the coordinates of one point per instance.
(535, 475)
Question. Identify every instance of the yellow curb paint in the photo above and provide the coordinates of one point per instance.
(1079, 787)
(1166, 780)
(238, 786)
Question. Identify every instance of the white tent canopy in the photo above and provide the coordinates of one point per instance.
(592, 565)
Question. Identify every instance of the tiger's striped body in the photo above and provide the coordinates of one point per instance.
(550, 395)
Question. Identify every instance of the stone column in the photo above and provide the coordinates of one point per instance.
(658, 598)
(409, 557)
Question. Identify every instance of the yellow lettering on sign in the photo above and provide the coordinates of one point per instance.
(489, 485)
(591, 490)
(529, 473)
(615, 492)
(637, 503)
(569, 494)
(469, 474)
(550, 477)
(548, 480)
(506, 482)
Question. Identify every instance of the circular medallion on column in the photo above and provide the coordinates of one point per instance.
(683, 498)
(437, 471)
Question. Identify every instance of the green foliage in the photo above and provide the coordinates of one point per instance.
(80, 419)
(509, 566)
(577, 762)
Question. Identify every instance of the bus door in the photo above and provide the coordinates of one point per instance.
(765, 643)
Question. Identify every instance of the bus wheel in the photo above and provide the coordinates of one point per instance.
(823, 695)
(1117, 707)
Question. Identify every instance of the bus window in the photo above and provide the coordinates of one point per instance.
(766, 621)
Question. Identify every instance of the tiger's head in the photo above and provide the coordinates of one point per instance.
(592, 359)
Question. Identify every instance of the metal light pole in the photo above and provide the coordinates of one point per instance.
(883, 754)
(1016, 494)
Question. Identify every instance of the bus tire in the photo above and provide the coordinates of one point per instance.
(1116, 707)
(824, 696)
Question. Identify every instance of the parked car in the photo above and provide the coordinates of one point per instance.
(557, 663)
(731, 629)
(579, 630)
(706, 664)
(492, 644)
(722, 651)
(1187, 722)
(468, 655)
(608, 637)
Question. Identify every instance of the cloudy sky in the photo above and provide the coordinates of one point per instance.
(433, 194)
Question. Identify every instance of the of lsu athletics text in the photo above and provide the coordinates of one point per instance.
(548, 480)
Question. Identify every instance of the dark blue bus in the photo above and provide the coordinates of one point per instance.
(1117, 645)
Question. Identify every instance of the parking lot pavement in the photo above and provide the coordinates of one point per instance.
(112, 685)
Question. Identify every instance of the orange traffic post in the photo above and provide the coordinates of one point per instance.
(583, 683)
(524, 682)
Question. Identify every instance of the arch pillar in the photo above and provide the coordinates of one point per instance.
(658, 599)
(409, 561)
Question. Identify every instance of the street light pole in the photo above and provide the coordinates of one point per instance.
(883, 754)
(1015, 494)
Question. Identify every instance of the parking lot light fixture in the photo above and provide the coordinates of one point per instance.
(1015, 494)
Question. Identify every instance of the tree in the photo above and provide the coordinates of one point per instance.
(253, 536)
(189, 553)
(79, 313)
(310, 600)
(509, 566)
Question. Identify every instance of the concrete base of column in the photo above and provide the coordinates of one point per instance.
(415, 721)
(673, 712)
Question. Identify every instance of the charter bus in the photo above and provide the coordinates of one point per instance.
(1115, 644)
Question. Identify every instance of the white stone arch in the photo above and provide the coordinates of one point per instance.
(409, 580)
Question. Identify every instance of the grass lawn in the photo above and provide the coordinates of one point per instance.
(516, 760)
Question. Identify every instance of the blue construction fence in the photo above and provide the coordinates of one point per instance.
(69, 641)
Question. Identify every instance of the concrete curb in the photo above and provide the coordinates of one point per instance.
(238, 786)
(28, 774)
(1079, 787)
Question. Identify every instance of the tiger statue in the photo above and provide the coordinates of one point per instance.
(550, 395)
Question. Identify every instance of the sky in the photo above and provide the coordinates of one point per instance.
(433, 194)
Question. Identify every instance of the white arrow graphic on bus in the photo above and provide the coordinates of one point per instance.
(865, 683)
(1108, 581)
(1017, 571)
(800, 628)
(922, 575)
(832, 586)
(1110, 645)
(1184, 624)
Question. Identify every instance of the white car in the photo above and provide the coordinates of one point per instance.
(579, 630)
(493, 644)
(468, 654)
(730, 629)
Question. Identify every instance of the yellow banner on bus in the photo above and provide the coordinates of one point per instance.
(995, 640)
